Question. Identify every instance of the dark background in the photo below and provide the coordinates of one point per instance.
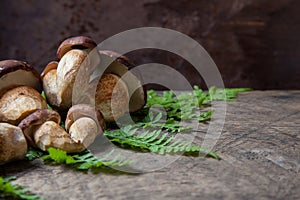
(255, 43)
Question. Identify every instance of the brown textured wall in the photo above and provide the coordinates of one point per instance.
(255, 43)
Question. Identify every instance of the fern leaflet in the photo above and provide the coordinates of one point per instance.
(82, 161)
(154, 141)
(14, 191)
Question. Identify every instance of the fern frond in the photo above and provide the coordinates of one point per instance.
(154, 141)
(14, 191)
(33, 154)
(82, 161)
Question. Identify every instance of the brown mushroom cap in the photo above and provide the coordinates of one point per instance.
(118, 57)
(84, 110)
(79, 42)
(50, 66)
(50, 134)
(31, 122)
(120, 66)
(18, 103)
(17, 73)
(111, 97)
(13, 144)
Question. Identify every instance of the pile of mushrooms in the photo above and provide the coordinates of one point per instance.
(25, 120)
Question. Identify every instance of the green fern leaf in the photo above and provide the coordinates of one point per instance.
(82, 161)
(14, 191)
(155, 141)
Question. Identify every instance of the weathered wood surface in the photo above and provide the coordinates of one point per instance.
(259, 146)
(255, 43)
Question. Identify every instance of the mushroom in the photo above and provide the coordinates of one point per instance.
(84, 110)
(117, 82)
(13, 144)
(120, 66)
(19, 102)
(31, 122)
(79, 42)
(51, 134)
(42, 129)
(49, 83)
(111, 97)
(58, 78)
(15, 73)
(20, 88)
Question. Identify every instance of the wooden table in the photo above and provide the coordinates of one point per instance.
(259, 147)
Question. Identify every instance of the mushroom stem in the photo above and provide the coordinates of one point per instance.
(13, 143)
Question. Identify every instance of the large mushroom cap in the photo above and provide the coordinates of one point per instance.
(13, 143)
(119, 66)
(34, 120)
(17, 73)
(79, 42)
(18, 103)
(84, 110)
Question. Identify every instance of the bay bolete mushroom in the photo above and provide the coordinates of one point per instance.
(13, 145)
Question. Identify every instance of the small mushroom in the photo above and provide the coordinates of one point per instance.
(51, 134)
(42, 127)
(31, 122)
(13, 144)
(84, 131)
(58, 81)
(84, 110)
(19, 102)
(79, 42)
(50, 66)
(49, 83)
(15, 73)
(120, 66)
